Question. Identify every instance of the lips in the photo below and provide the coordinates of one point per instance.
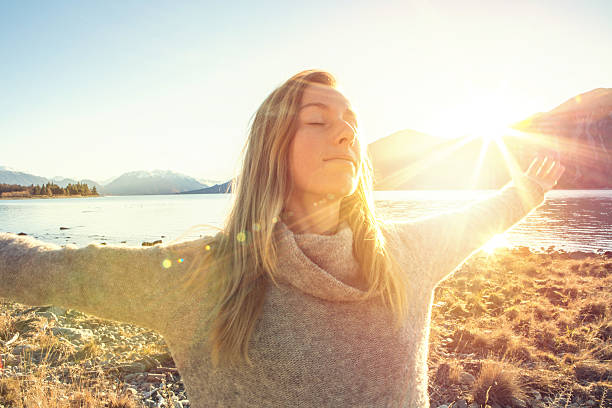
(344, 158)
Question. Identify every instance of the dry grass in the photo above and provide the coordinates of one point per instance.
(497, 384)
(528, 326)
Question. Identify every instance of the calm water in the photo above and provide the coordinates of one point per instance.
(569, 220)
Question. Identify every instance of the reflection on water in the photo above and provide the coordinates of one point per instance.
(569, 219)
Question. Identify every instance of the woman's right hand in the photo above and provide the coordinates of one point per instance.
(545, 171)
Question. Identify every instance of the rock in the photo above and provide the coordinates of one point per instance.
(135, 367)
(134, 377)
(155, 378)
(518, 403)
(64, 228)
(443, 406)
(73, 334)
(164, 370)
(57, 311)
(148, 363)
(536, 395)
(22, 349)
(22, 233)
(474, 405)
(28, 325)
(466, 378)
(145, 243)
(461, 403)
(48, 315)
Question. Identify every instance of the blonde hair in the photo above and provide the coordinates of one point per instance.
(241, 261)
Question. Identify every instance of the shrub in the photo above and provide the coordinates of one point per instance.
(496, 384)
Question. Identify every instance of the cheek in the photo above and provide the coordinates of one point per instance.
(305, 159)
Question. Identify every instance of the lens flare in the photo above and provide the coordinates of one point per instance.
(241, 236)
(167, 263)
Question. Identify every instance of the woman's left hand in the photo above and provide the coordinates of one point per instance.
(545, 171)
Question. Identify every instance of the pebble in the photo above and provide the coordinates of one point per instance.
(72, 333)
(461, 403)
(142, 374)
(22, 349)
(155, 378)
(466, 378)
(518, 403)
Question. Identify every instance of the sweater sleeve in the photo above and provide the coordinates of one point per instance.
(442, 242)
(142, 286)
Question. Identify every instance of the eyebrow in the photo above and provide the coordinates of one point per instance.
(350, 113)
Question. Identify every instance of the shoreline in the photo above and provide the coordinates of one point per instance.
(47, 197)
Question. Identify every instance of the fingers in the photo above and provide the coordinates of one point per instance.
(532, 165)
(541, 167)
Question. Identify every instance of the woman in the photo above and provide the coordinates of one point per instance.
(306, 298)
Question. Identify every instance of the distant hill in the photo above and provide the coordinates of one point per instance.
(63, 182)
(151, 182)
(131, 183)
(10, 176)
(578, 133)
(216, 189)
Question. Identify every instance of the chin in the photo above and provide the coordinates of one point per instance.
(343, 190)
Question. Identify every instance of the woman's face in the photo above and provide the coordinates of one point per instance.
(324, 154)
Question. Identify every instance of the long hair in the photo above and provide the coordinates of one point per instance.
(241, 260)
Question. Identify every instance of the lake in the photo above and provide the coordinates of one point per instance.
(569, 219)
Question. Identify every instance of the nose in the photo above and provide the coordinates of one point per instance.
(346, 133)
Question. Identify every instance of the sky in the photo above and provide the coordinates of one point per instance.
(98, 88)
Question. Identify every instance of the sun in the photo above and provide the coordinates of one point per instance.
(487, 117)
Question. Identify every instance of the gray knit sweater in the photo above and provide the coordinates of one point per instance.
(314, 344)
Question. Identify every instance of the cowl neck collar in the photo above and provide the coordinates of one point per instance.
(320, 265)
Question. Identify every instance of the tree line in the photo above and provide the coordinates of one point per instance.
(49, 189)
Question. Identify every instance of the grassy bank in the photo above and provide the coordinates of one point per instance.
(511, 329)
(524, 330)
(36, 197)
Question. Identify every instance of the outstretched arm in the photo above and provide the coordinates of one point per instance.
(442, 242)
(128, 284)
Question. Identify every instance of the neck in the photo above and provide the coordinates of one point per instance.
(312, 215)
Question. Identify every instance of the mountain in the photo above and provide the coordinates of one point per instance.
(63, 182)
(411, 160)
(151, 182)
(579, 133)
(209, 182)
(11, 176)
(216, 189)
